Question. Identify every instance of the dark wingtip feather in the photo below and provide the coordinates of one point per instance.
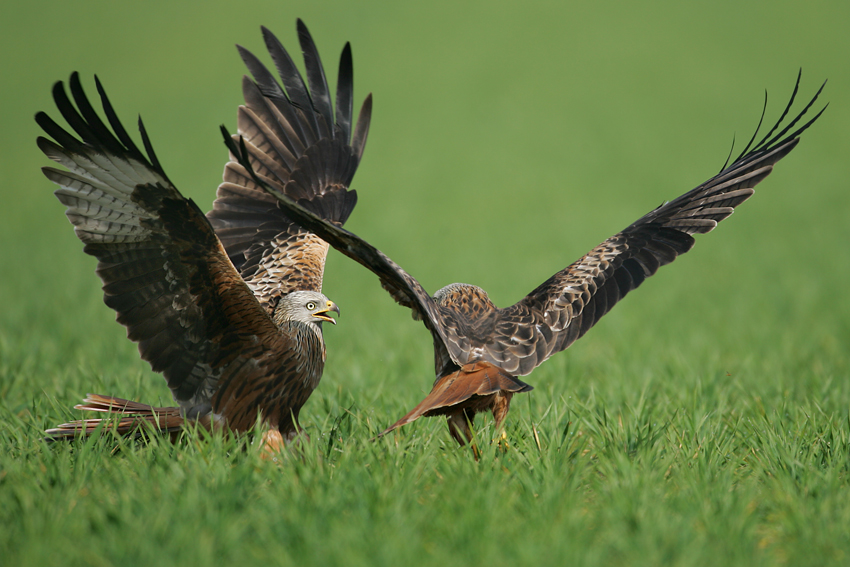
(778, 138)
(55, 131)
(787, 107)
(758, 127)
(149, 149)
(229, 143)
(43, 143)
(345, 93)
(319, 91)
(264, 79)
(117, 127)
(771, 142)
(102, 134)
(728, 157)
(92, 131)
(292, 80)
(358, 143)
(69, 113)
(301, 27)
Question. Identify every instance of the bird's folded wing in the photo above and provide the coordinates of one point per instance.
(298, 146)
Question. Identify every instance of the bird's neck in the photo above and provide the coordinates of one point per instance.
(301, 329)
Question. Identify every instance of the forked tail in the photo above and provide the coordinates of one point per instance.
(136, 418)
(472, 388)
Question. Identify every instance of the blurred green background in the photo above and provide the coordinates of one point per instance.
(507, 139)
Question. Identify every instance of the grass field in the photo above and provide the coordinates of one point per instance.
(704, 421)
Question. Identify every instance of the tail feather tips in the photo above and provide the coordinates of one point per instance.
(126, 418)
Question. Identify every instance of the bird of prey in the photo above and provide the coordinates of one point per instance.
(227, 306)
(480, 350)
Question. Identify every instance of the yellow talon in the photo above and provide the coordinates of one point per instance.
(503, 441)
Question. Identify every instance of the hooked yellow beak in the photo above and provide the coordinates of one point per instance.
(323, 314)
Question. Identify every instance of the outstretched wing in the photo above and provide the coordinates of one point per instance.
(567, 305)
(163, 269)
(296, 145)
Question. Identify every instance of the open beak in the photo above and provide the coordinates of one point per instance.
(323, 314)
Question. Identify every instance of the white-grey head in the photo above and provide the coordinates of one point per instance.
(309, 307)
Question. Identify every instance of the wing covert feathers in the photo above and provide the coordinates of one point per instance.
(167, 276)
(297, 145)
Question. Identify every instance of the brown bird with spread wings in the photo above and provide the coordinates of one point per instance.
(228, 306)
(480, 349)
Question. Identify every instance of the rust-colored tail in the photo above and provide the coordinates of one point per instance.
(136, 416)
(472, 389)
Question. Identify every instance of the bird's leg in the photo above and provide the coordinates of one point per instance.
(460, 427)
(500, 407)
(274, 442)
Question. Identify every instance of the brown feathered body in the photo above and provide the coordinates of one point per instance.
(480, 349)
(228, 306)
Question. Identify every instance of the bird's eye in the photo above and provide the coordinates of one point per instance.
(311, 306)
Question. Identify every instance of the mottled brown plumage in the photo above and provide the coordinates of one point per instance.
(480, 349)
(228, 307)
(309, 155)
